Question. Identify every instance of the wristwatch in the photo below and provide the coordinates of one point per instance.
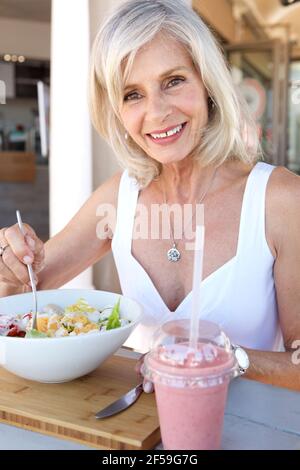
(241, 357)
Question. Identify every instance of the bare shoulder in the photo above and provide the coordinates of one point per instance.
(282, 206)
(108, 191)
(106, 195)
(283, 190)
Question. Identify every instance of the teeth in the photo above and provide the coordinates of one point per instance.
(163, 135)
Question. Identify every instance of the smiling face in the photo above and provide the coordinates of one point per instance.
(165, 102)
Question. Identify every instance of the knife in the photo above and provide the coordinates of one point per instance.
(122, 403)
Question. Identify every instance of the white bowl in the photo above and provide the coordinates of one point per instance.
(63, 359)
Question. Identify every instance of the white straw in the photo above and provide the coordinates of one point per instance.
(197, 278)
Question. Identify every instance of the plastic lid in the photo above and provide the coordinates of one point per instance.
(172, 362)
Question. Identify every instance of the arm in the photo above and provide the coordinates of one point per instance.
(283, 232)
(64, 256)
(78, 246)
(276, 368)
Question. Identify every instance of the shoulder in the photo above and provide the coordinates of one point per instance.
(282, 206)
(108, 191)
(101, 207)
(105, 196)
(283, 190)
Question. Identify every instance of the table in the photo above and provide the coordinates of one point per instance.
(257, 416)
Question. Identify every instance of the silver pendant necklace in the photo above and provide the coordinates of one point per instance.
(173, 254)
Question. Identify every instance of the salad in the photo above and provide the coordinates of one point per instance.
(55, 321)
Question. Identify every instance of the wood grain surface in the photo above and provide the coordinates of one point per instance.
(67, 410)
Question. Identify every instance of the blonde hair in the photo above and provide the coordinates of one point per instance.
(124, 32)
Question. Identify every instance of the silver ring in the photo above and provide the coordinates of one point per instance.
(2, 249)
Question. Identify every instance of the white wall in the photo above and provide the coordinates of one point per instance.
(28, 38)
(70, 136)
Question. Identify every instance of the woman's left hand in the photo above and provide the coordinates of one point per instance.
(147, 385)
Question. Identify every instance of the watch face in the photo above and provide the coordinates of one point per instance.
(242, 358)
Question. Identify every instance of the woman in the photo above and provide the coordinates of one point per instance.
(162, 96)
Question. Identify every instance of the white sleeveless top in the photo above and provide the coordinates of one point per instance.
(239, 296)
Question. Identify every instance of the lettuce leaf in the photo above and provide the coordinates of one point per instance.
(35, 334)
(114, 318)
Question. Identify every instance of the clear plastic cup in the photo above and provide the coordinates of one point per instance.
(190, 386)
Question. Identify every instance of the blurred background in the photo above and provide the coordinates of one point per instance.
(50, 157)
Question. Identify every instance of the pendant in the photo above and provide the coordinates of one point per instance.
(174, 254)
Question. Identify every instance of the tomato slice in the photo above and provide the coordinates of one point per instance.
(13, 331)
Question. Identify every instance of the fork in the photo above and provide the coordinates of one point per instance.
(31, 277)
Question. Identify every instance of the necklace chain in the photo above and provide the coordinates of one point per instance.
(174, 254)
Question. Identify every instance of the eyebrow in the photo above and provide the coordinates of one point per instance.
(163, 75)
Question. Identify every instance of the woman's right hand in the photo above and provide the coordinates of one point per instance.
(18, 251)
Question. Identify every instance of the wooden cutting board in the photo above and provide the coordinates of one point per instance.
(67, 410)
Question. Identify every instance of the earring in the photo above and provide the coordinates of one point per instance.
(126, 136)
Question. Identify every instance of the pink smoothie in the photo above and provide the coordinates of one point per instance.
(191, 391)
